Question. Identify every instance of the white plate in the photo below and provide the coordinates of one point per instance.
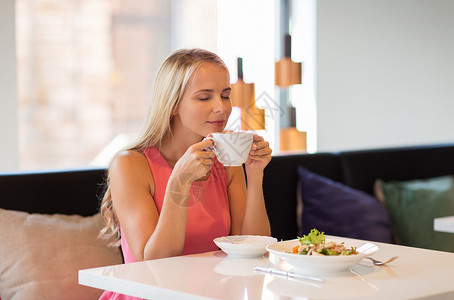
(305, 264)
(244, 245)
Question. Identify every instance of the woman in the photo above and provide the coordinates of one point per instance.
(168, 195)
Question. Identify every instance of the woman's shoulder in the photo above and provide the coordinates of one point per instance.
(129, 160)
(129, 173)
(129, 156)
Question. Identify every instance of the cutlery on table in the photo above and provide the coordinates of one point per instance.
(276, 272)
(380, 263)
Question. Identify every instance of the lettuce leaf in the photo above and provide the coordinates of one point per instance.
(314, 237)
(325, 251)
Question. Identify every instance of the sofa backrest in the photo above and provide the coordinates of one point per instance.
(360, 169)
(280, 187)
(75, 191)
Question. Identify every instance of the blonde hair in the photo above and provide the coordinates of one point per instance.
(168, 88)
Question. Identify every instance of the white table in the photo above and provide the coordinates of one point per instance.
(417, 273)
(445, 224)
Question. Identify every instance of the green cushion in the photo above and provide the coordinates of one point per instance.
(413, 205)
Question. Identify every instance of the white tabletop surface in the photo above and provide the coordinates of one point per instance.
(416, 274)
(445, 224)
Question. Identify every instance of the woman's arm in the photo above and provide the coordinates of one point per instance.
(151, 235)
(132, 187)
(247, 206)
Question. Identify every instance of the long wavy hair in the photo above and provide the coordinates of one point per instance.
(168, 88)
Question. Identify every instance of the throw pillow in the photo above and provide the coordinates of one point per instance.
(40, 255)
(414, 204)
(337, 209)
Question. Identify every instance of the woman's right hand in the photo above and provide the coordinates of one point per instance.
(195, 163)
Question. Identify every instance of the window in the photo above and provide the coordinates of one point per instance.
(84, 71)
(85, 68)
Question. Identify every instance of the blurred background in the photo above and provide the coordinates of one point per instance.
(76, 74)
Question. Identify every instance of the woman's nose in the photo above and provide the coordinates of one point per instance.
(221, 105)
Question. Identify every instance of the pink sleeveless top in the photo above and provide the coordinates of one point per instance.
(208, 210)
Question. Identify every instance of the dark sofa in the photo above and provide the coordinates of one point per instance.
(78, 191)
(357, 169)
(73, 243)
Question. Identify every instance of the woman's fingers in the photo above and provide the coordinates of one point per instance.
(260, 154)
(206, 162)
(260, 147)
(197, 160)
(205, 144)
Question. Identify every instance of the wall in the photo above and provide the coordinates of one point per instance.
(385, 73)
(8, 93)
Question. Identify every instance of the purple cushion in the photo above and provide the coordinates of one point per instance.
(337, 209)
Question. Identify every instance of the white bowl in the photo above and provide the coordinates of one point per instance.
(244, 245)
(305, 264)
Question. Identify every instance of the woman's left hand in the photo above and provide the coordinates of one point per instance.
(260, 154)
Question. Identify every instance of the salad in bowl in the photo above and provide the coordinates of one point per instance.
(314, 244)
(312, 253)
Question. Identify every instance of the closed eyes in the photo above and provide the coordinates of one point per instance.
(208, 98)
(207, 94)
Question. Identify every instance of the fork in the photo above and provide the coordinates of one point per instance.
(380, 263)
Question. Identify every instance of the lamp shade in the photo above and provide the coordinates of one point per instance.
(243, 96)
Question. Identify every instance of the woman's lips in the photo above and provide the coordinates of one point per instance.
(217, 123)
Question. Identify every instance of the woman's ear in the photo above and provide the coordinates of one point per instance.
(175, 110)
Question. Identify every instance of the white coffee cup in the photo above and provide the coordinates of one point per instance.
(232, 148)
